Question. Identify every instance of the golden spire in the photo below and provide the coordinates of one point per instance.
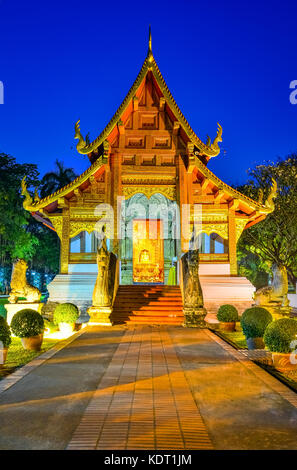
(149, 52)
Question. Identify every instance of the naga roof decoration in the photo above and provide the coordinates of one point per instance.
(210, 149)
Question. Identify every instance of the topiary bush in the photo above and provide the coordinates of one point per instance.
(66, 313)
(279, 334)
(27, 323)
(5, 334)
(254, 322)
(227, 313)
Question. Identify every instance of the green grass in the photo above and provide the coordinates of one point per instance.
(18, 356)
(236, 337)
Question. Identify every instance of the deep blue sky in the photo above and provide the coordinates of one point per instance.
(223, 61)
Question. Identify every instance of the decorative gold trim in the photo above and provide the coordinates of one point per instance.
(240, 225)
(148, 191)
(220, 229)
(57, 222)
(81, 226)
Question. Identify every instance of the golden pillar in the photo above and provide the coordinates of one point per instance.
(64, 251)
(232, 242)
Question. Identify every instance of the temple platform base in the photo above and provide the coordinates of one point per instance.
(100, 316)
(12, 309)
(224, 289)
(76, 288)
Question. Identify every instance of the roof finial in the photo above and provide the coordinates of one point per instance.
(149, 52)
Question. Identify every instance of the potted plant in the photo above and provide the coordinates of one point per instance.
(227, 316)
(28, 325)
(5, 340)
(280, 337)
(65, 315)
(254, 321)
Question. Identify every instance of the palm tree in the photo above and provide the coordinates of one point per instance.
(55, 180)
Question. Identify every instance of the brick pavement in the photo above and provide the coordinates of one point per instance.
(143, 401)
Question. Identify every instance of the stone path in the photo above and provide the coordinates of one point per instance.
(143, 401)
(147, 388)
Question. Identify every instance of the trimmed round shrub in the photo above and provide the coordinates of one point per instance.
(27, 323)
(279, 334)
(227, 313)
(66, 313)
(254, 322)
(5, 334)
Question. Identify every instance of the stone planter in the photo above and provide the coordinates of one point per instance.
(66, 328)
(3, 355)
(227, 326)
(33, 343)
(255, 343)
(282, 362)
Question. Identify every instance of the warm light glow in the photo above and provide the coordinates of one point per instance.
(148, 257)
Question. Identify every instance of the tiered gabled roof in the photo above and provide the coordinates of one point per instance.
(209, 150)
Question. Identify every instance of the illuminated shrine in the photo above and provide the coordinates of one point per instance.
(149, 156)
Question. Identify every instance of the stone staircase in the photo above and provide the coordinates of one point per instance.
(148, 304)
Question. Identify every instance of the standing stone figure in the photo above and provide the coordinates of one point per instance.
(104, 289)
(194, 311)
(101, 294)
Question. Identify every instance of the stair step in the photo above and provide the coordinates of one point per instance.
(161, 301)
(121, 313)
(145, 304)
(156, 322)
(136, 295)
(143, 308)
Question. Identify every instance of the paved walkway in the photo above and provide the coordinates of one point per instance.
(147, 388)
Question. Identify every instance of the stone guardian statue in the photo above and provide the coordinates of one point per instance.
(194, 310)
(103, 294)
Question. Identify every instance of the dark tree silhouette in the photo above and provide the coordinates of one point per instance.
(55, 180)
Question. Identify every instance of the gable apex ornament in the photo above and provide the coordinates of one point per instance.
(150, 52)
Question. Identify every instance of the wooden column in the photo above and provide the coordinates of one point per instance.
(116, 191)
(64, 251)
(232, 242)
(182, 196)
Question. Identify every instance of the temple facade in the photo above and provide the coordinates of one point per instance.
(148, 183)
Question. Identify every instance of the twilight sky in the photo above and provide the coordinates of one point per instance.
(224, 61)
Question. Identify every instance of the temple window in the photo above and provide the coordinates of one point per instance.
(84, 242)
(212, 244)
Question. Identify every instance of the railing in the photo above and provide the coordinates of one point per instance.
(116, 280)
(181, 279)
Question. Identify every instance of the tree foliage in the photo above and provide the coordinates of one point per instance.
(274, 240)
(15, 239)
(55, 180)
(21, 236)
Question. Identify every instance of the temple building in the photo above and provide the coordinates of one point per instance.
(149, 157)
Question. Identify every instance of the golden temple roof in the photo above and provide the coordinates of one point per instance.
(211, 149)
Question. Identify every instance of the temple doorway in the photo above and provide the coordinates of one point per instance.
(148, 251)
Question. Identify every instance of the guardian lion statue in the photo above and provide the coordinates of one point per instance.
(277, 292)
(19, 285)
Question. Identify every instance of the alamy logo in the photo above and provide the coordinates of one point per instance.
(1, 93)
(293, 94)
